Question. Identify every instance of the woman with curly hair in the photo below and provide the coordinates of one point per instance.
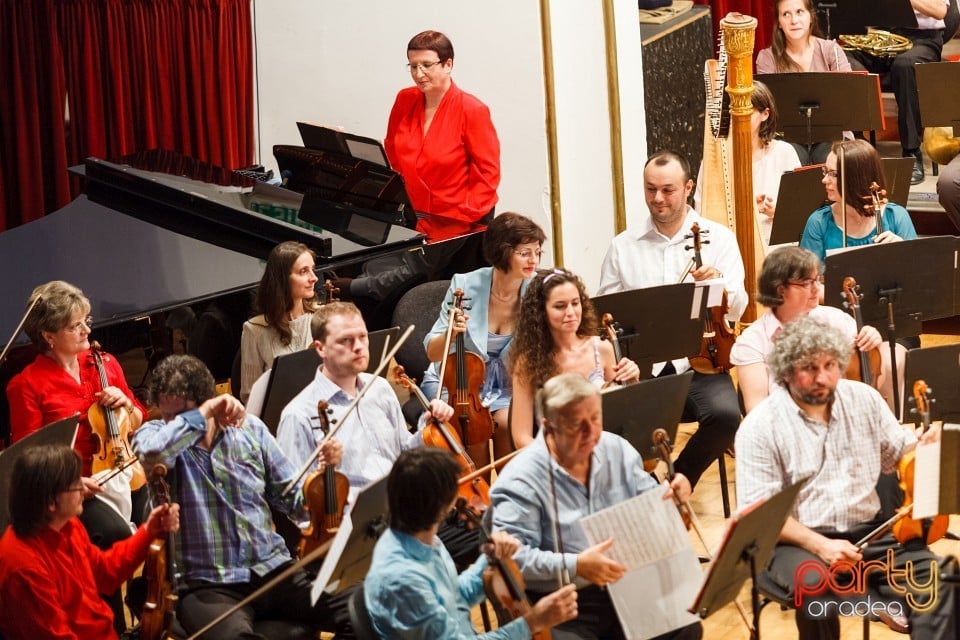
(557, 333)
(286, 300)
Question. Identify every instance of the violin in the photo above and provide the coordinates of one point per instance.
(476, 492)
(111, 427)
(502, 580)
(929, 529)
(866, 366)
(718, 337)
(331, 292)
(878, 204)
(610, 330)
(463, 373)
(159, 609)
(325, 492)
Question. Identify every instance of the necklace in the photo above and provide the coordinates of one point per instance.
(501, 298)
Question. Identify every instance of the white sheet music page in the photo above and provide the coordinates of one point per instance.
(663, 572)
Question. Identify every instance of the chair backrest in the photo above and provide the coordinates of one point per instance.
(420, 306)
(360, 617)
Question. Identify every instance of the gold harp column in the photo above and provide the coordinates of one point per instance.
(549, 86)
(738, 32)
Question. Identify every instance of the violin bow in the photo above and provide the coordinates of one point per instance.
(339, 422)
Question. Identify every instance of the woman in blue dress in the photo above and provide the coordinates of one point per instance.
(512, 244)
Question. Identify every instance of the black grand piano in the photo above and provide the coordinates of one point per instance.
(157, 235)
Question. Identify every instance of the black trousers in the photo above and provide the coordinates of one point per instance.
(927, 47)
(288, 602)
(816, 621)
(711, 401)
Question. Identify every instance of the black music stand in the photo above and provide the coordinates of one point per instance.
(902, 284)
(815, 106)
(342, 143)
(635, 411)
(748, 542)
(294, 371)
(897, 172)
(936, 82)
(854, 16)
(801, 193)
(59, 433)
(351, 551)
(939, 367)
(658, 323)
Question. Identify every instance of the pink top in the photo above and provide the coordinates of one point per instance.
(827, 56)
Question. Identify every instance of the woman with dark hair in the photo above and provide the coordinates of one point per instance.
(51, 574)
(797, 47)
(512, 244)
(442, 141)
(823, 230)
(62, 381)
(771, 158)
(286, 300)
(557, 333)
(790, 285)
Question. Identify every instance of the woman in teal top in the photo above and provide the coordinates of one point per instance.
(824, 227)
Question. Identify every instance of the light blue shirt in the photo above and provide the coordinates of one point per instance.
(373, 435)
(413, 591)
(522, 504)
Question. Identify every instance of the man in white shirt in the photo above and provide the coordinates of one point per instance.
(654, 254)
(927, 41)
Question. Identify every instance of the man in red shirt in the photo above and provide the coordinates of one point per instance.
(51, 575)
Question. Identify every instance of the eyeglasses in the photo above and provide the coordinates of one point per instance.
(807, 283)
(423, 66)
(526, 254)
(829, 172)
(77, 327)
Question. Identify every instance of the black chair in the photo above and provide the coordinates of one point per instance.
(360, 617)
(770, 591)
(420, 307)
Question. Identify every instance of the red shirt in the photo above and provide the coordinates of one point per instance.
(50, 582)
(44, 392)
(452, 173)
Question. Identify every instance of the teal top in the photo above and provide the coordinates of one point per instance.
(822, 233)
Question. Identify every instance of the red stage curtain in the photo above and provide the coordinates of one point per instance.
(134, 75)
(762, 10)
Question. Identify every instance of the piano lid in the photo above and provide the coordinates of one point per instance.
(230, 210)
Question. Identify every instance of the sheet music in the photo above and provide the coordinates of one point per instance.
(331, 560)
(663, 572)
(926, 474)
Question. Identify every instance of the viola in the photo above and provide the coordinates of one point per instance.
(878, 204)
(325, 492)
(661, 442)
(331, 292)
(111, 427)
(159, 609)
(611, 330)
(476, 492)
(463, 373)
(502, 581)
(866, 366)
(718, 337)
(928, 529)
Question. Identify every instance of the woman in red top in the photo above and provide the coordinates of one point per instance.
(443, 143)
(63, 380)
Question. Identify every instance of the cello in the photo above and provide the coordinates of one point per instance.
(159, 609)
(718, 337)
(474, 492)
(325, 492)
(111, 427)
(462, 373)
(866, 366)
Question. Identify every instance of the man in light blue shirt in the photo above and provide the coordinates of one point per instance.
(573, 468)
(412, 589)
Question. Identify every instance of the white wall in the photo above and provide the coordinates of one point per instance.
(341, 62)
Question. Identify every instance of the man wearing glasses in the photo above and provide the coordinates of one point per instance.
(51, 575)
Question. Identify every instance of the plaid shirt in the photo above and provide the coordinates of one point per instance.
(224, 494)
(778, 445)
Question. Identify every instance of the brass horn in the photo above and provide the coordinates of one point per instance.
(940, 144)
(880, 44)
